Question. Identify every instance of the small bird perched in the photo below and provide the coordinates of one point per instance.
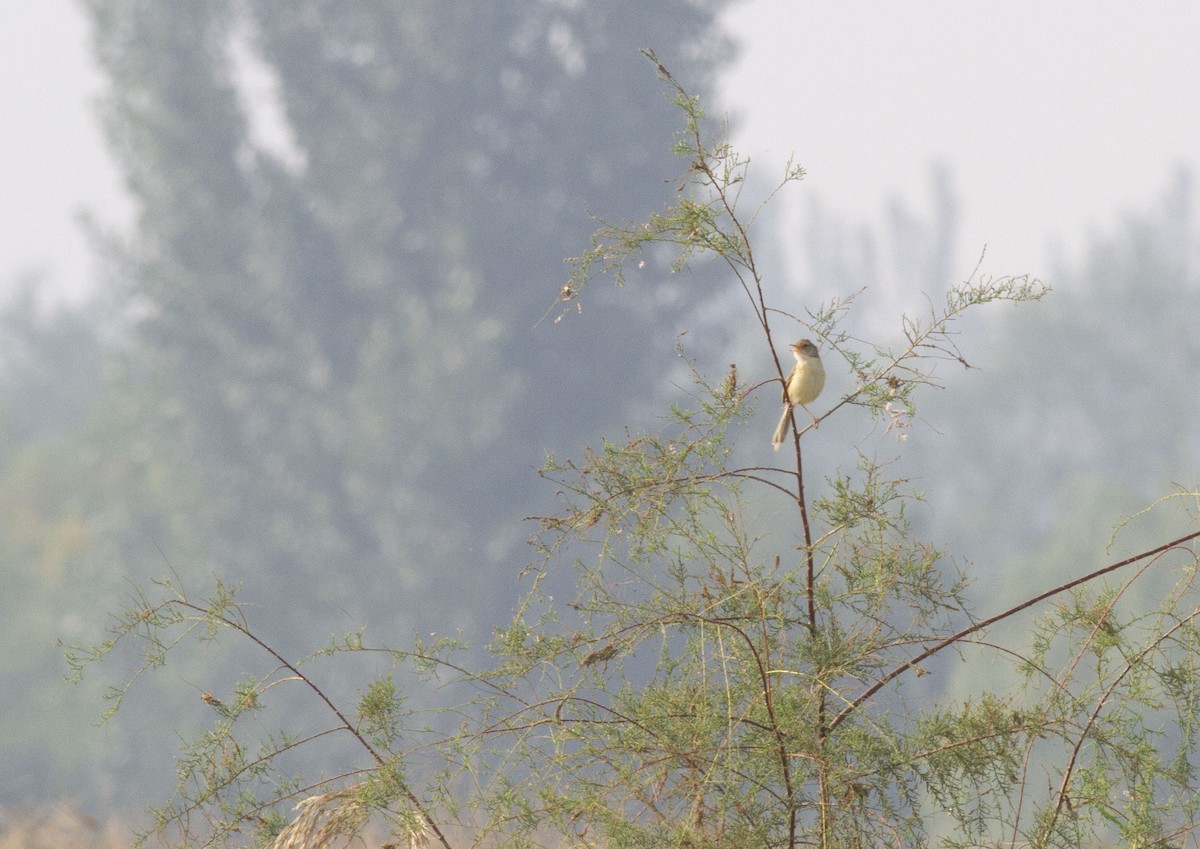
(804, 384)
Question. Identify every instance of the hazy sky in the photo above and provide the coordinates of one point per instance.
(1053, 117)
(53, 162)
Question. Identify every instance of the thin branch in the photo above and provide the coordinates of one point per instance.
(978, 626)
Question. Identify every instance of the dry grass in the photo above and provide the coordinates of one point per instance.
(337, 819)
(59, 826)
(321, 822)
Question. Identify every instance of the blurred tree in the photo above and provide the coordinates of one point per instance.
(1087, 400)
(348, 219)
(50, 367)
(325, 376)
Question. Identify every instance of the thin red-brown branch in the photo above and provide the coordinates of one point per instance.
(954, 638)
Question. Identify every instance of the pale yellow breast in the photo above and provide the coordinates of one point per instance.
(806, 380)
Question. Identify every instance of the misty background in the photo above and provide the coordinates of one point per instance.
(273, 277)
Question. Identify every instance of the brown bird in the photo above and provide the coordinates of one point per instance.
(804, 384)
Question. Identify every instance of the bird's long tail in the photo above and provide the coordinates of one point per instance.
(782, 428)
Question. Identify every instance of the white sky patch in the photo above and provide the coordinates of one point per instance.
(258, 89)
(1054, 119)
(54, 165)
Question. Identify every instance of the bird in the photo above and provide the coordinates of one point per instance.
(803, 385)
